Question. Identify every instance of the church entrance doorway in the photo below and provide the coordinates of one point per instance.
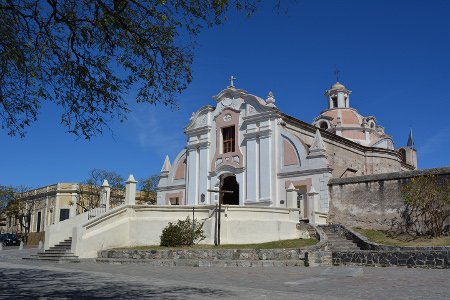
(229, 183)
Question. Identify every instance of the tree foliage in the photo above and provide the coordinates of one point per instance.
(6, 196)
(148, 188)
(89, 189)
(427, 206)
(16, 205)
(183, 233)
(84, 56)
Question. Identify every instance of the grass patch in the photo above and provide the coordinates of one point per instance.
(395, 239)
(295, 243)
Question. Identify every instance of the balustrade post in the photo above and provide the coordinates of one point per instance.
(130, 191)
(105, 194)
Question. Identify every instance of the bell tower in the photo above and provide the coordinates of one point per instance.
(338, 96)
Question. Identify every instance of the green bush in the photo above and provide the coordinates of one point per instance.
(181, 233)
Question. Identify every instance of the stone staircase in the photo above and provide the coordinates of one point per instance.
(57, 253)
(338, 242)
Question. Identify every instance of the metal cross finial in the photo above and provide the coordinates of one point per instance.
(232, 79)
(336, 72)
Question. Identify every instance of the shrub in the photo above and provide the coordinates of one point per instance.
(182, 233)
(426, 206)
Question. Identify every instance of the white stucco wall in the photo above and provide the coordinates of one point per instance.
(128, 226)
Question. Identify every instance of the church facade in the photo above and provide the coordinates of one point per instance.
(247, 146)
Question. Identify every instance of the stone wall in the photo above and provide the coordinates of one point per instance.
(417, 258)
(204, 254)
(373, 254)
(372, 201)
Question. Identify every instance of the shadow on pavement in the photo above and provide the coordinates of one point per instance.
(34, 283)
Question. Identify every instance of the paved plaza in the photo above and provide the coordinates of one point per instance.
(22, 279)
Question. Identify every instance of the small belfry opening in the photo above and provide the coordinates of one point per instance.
(334, 101)
(229, 183)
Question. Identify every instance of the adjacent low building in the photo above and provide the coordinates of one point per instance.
(57, 202)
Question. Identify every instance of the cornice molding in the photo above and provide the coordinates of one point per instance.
(304, 172)
(198, 145)
(257, 133)
(171, 188)
(263, 116)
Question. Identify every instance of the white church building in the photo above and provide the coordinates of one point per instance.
(275, 167)
(246, 145)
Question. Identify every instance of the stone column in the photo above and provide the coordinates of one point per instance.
(291, 197)
(291, 201)
(302, 206)
(130, 191)
(313, 206)
(105, 194)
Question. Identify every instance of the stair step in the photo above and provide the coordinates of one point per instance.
(341, 243)
(54, 255)
(56, 251)
(75, 259)
(344, 248)
(338, 239)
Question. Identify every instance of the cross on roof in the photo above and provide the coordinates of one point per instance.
(336, 72)
(232, 79)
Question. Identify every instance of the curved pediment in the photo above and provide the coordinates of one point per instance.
(235, 98)
(229, 93)
(199, 118)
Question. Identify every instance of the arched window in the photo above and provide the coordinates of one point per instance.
(323, 125)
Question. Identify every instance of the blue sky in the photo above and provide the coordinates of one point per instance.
(393, 55)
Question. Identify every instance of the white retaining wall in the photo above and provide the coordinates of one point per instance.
(60, 231)
(133, 225)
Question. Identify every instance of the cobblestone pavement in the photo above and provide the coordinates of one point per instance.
(21, 279)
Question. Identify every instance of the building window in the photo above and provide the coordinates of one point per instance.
(228, 135)
(38, 225)
(63, 214)
(175, 201)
